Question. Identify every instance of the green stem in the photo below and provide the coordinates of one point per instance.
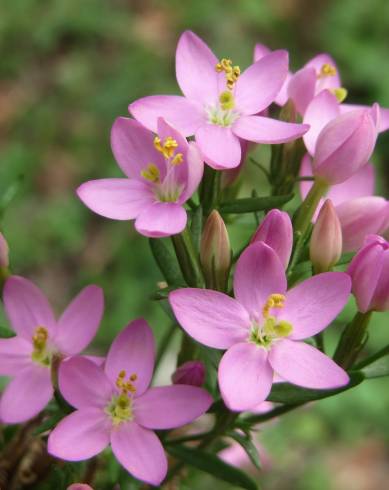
(307, 209)
(188, 259)
(352, 340)
(276, 412)
(210, 190)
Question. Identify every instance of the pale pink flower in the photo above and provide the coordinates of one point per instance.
(263, 326)
(116, 406)
(220, 105)
(162, 174)
(28, 356)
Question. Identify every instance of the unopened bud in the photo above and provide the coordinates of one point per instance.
(326, 241)
(215, 252)
(4, 261)
(189, 373)
(79, 486)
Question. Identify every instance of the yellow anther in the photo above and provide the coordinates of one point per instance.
(327, 70)
(124, 385)
(273, 301)
(340, 93)
(167, 148)
(232, 72)
(39, 338)
(133, 377)
(151, 173)
(226, 100)
(177, 159)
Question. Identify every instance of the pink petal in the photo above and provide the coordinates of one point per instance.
(360, 184)
(196, 69)
(314, 303)
(259, 273)
(303, 365)
(120, 199)
(320, 111)
(15, 355)
(182, 113)
(140, 452)
(301, 88)
(380, 300)
(26, 395)
(168, 407)
(245, 376)
(266, 130)
(219, 146)
(260, 50)
(384, 114)
(326, 82)
(258, 86)
(133, 147)
(26, 307)
(194, 169)
(79, 322)
(210, 317)
(161, 219)
(81, 435)
(84, 384)
(133, 351)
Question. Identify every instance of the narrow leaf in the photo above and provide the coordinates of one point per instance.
(252, 204)
(248, 445)
(166, 261)
(211, 464)
(6, 333)
(378, 368)
(196, 227)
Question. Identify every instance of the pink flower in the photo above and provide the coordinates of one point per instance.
(359, 212)
(263, 326)
(189, 373)
(277, 232)
(162, 174)
(220, 104)
(116, 406)
(28, 356)
(79, 486)
(369, 271)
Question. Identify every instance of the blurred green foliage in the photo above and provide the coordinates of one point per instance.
(67, 69)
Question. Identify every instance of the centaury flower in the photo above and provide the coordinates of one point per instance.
(116, 406)
(220, 104)
(162, 174)
(262, 328)
(40, 340)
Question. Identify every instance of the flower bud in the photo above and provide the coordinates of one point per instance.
(277, 232)
(345, 145)
(189, 373)
(215, 252)
(79, 486)
(326, 242)
(369, 271)
(4, 261)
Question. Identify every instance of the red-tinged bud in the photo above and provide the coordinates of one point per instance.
(326, 241)
(190, 373)
(215, 252)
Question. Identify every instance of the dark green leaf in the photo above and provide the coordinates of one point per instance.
(6, 333)
(248, 446)
(49, 423)
(252, 204)
(196, 227)
(377, 368)
(369, 360)
(212, 465)
(166, 261)
(292, 394)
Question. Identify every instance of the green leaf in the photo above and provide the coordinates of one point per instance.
(196, 227)
(212, 465)
(6, 333)
(378, 368)
(248, 445)
(369, 360)
(166, 261)
(49, 423)
(292, 394)
(252, 204)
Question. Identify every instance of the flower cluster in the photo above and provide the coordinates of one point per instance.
(262, 312)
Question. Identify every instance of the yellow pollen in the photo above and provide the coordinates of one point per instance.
(39, 338)
(327, 70)
(124, 385)
(232, 72)
(226, 100)
(340, 93)
(167, 148)
(273, 301)
(177, 159)
(151, 173)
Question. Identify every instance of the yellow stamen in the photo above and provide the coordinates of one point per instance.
(340, 93)
(327, 70)
(232, 72)
(126, 386)
(39, 339)
(167, 148)
(226, 100)
(178, 159)
(151, 173)
(273, 301)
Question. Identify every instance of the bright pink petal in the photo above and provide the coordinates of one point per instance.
(26, 395)
(266, 130)
(258, 86)
(79, 322)
(133, 147)
(84, 384)
(15, 355)
(314, 303)
(301, 88)
(260, 50)
(220, 147)
(383, 119)
(360, 184)
(210, 317)
(81, 435)
(140, 452)
(380, 300)
(133, 351)
(245, 376)
(120, 199)
(161, 219)
(26, 307)
(195, 170)
(320, 111)
(168, 407)
(196, 69)
(259, 273)
(303, 365)
(182, 113)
